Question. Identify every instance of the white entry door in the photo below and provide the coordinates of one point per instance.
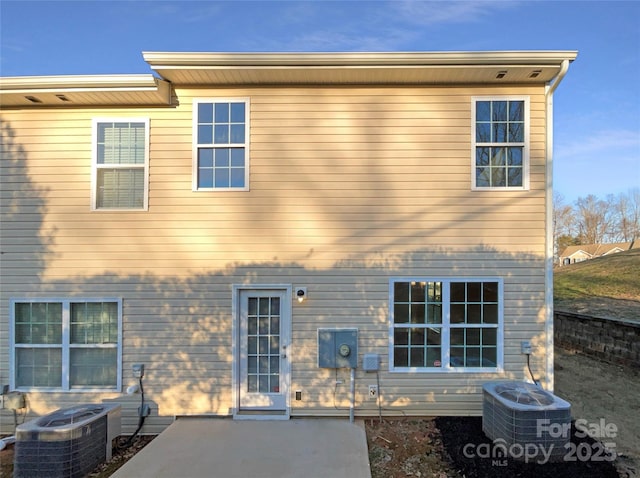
(263, 379)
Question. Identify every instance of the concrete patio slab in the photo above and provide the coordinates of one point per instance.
(224, 448)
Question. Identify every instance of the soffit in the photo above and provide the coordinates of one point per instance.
(75, 91)
(438, 68)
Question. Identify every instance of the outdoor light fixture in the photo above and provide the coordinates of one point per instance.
(301, 293)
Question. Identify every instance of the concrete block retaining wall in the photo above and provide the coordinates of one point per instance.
(613, 340)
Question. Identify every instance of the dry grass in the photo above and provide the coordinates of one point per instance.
(615, 277)
(607, 286)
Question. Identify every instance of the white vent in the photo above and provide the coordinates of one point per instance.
(521, 413)
(67, 443)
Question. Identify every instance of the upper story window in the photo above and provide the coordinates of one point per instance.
(66, 344)
(120, 163)
(500, 155)
(221, 144)
(445, 325)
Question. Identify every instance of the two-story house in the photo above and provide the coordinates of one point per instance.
(211, 220)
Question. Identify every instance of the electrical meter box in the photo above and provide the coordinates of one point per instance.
(337, 348)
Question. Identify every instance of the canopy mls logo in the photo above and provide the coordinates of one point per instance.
(499, 450)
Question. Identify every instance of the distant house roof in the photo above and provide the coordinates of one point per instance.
(195, 69)
(597, 250)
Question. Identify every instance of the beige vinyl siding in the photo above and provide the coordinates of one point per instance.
(348, 187)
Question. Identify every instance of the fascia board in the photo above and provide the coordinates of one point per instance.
(25, 84)
(163, 60)
(83, 90)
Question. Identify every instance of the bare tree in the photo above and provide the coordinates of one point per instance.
(627, 216)
(563, 224)
(594, 219)
(634, 214)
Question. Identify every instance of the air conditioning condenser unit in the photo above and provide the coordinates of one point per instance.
(68, 443)
(523, 414)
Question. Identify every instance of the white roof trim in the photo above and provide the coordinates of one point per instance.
(78, 90)
(160, 59)
(78, 82)
(579, 251)
(202, 68)
(424, 68)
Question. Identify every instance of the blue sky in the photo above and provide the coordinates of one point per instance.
(597, 106)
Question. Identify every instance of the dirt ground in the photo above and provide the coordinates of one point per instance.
(434, 447)
(599, 390)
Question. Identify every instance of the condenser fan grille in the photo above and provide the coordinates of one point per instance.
(67, 417)
(525, 395)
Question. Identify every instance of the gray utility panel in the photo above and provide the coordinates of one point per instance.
(337, 348)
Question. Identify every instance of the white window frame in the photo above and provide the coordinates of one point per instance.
(95, 166)
(525, 145)
(445, 327)
(245, 145)
(66, 346)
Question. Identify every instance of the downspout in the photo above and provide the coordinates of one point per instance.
(549, 90)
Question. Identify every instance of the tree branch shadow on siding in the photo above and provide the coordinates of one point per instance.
(180, 327)
(24, 246)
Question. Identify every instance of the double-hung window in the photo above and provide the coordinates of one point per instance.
(66, 344)
(120, 163)
(221, 144)
(500, 153)
(441, 325)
